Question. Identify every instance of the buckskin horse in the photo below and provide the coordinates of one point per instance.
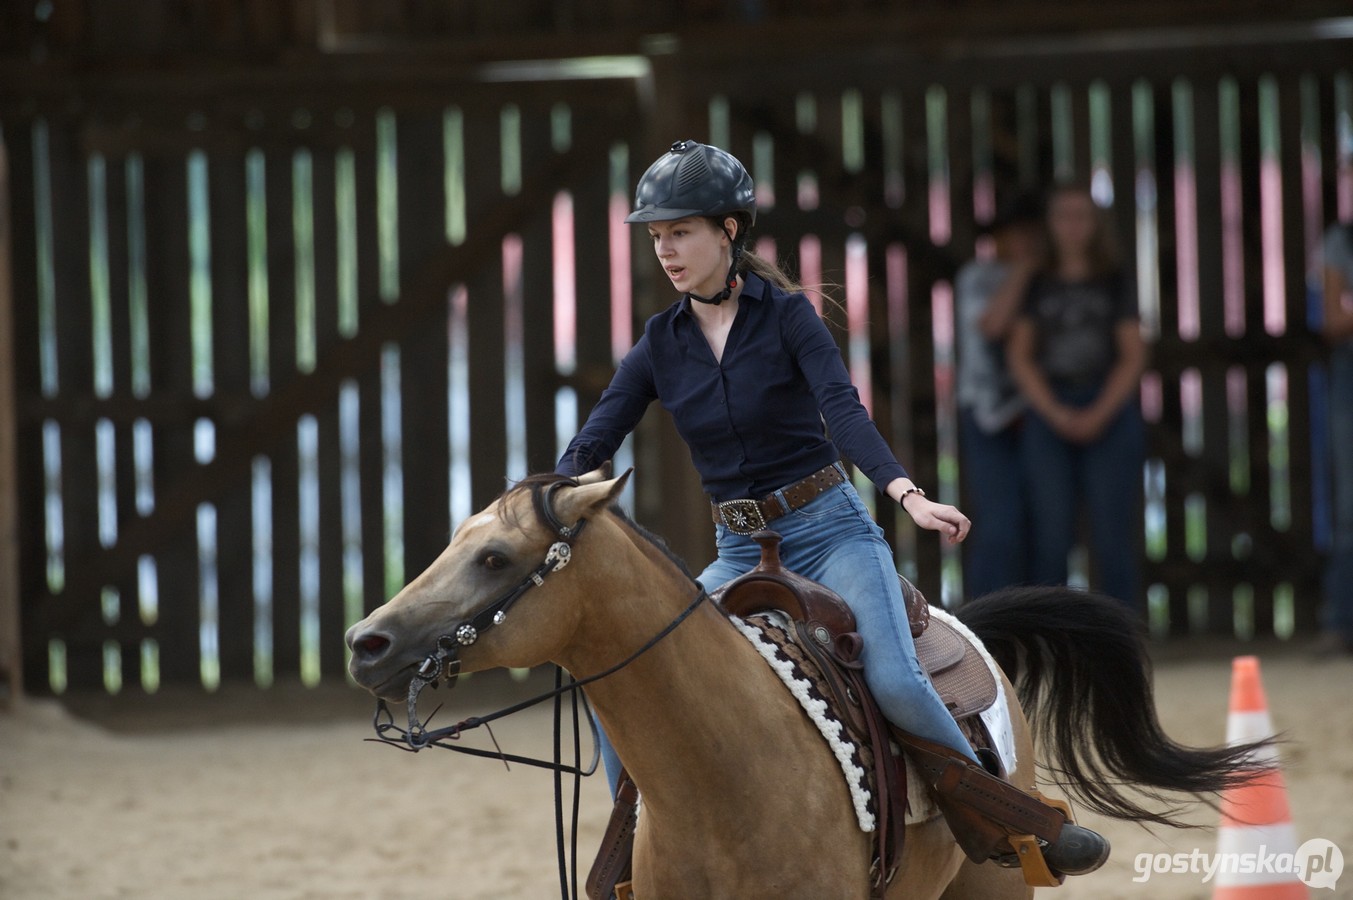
(741, 795)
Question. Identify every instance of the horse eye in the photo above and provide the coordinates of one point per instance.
(494, 562)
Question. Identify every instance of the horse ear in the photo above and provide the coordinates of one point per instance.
(590, 496)
(601, 473)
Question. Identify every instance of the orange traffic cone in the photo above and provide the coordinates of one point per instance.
(1256, 842)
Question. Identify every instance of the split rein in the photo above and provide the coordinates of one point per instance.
(443, 664)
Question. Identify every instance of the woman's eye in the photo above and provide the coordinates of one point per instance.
(493, 562)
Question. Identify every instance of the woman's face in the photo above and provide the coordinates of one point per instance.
(694, 254)
(1072, 220)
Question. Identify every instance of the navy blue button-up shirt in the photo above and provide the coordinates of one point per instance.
(754, 422)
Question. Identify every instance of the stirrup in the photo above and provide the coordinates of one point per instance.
(1028, 850)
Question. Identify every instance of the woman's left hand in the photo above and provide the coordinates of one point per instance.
(941, 517)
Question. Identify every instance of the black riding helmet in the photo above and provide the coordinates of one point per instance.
(694, 179)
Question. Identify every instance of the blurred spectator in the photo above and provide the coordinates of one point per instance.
(1336, 619)
(989, 293)
(1077, 354)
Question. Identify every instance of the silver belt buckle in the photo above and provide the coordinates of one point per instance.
(742, 516)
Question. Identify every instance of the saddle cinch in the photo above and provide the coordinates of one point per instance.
(824, 637)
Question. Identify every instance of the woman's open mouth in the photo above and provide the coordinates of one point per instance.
(675, 272)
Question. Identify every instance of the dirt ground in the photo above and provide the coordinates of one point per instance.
(276, 795)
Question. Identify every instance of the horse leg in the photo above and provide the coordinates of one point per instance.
(987, 881)
(929, 860)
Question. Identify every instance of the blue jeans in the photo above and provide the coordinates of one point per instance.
(833, 540)
(995, 555)
(1104, 479)
(1337, 613)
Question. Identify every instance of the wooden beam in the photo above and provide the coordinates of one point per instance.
(11, 662)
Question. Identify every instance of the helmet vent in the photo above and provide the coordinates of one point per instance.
(692, 170)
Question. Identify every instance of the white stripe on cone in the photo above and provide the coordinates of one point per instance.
(1254, 847)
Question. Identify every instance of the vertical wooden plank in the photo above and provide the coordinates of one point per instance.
(167, 277)
(1211, 483)
(963, 224)
(332, 622)
(124, 471)
(538, 296)
(70, 248)
(1124, 174)
(1080, 130)
(230, 329)
(1298, 270)
(286, 574)
(592, 262)
(923, 271)
(24, 364)
(424, 352)
(370, 451)
(11, 651)
(484, 316)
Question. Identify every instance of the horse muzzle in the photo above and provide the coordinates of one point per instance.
(374, 664)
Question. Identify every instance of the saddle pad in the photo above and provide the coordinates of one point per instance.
(768, 632)
(961, 676)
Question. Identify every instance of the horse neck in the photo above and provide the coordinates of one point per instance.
(691, 717)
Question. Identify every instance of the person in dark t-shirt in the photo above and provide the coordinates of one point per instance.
(1077, 354)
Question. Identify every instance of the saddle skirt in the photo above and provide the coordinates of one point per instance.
(806, 634)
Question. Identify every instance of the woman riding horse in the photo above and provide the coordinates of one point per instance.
(750, 374)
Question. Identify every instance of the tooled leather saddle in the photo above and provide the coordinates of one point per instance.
(823, 632)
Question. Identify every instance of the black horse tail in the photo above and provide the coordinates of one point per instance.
(1079, 664)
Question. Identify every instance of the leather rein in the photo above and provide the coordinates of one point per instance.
(443, 664)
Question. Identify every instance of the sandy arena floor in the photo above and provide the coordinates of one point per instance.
(275, 795)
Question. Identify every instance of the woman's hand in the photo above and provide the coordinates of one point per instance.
(941, 517)
(1079, 426)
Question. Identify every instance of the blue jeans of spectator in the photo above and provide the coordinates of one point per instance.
(1103, 479)
(995, 555)
(1337, 612)
(833, 540)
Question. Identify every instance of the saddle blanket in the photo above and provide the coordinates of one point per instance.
(921, 808)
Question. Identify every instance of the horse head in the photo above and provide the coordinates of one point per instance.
(466, 602)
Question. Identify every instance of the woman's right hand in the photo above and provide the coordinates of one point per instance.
(941, 517)
(1078, 426)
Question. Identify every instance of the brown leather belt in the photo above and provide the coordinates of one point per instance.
(750, 516)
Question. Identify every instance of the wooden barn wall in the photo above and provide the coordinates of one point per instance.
(267, 354)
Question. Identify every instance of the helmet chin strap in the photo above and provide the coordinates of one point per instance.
(730, 282)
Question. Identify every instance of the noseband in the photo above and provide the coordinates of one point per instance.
(443, 663)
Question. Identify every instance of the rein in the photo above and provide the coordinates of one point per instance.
(443, 664)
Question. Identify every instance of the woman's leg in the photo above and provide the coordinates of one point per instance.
(1112, 472)
(1336, 616)
(834, 541)
(994, 555)
(1048, 469)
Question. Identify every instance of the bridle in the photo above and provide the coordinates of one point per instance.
(443, 664)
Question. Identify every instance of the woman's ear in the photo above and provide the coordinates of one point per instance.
(730, 226)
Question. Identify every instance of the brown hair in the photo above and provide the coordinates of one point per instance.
(769, 270)
(1102, 253)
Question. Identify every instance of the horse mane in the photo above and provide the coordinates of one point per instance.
(539, 481)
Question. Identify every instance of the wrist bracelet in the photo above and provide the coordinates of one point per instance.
(909, 491)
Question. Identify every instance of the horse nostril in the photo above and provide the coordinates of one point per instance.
(370, 646)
